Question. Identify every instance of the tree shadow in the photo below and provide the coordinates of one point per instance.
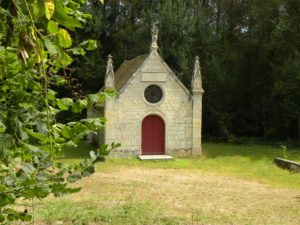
(254, 152)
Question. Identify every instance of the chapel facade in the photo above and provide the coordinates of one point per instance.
(153, 113)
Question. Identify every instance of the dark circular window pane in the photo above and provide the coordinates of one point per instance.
(153, 93)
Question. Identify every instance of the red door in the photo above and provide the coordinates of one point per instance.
(153, 136)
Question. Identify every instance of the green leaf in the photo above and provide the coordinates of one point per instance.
(64, 38)
(71, 144)
(94, 123)
(51, 94)
(115, 145)
(23, 134)
(93, 155)
(66, 191)
(12, 217)
(6, 141)
(50, 47)
(9, 180)
(74, 5)
(74, 177)
(76, 108)
(79, 106)
(32, 148)
(6, 199)
(89, 44)
(109, 93)
(25, 217)
(59, 81)
(83, 102)
(38, 9)
(52, 27)
(9, 211)
(22, 177)
(92, 45)
(81, 1)
(88, 171)
(43, 176)
(2, 188)
(77, 51)
(94, 98)
(62, 17)
(39, 192)
(67, 132)
(39, 136)
(103, 150)
(33, 85)
(28, 168)
(57, 187)
(64, 103)
(65, 59)
(2, 217)
(2, 127)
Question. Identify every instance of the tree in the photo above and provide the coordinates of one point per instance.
(248, 52)
(35, 52)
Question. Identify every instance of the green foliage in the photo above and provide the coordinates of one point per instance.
(249, 54)
(34, 50)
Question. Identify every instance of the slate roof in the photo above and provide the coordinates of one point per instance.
(127, 69)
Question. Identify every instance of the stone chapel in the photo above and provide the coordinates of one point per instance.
(153, 113)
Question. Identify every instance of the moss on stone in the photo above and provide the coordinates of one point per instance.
(127, 69)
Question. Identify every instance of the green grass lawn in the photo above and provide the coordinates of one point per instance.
(230, 184)
(253, 162)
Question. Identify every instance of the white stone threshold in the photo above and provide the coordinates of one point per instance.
(155, 157)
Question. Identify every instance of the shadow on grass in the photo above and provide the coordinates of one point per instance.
(210, 150)
(254, 152)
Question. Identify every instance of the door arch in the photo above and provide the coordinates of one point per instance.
(153, 135)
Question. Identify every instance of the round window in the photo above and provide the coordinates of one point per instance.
(153, 93)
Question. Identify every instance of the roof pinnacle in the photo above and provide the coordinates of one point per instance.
(154, 33)
(110, 76)
(197, 78)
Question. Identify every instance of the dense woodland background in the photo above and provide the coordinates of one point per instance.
(249, 51)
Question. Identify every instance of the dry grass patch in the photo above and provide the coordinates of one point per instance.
(231, 184)
(182, 196)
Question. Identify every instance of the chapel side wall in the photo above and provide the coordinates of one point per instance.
(131, 108)
(96, 112)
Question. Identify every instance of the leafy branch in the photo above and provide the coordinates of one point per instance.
(30, 137)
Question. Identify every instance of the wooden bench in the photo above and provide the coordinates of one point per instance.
(287, 164)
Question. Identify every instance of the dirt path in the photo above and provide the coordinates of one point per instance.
(198, 196)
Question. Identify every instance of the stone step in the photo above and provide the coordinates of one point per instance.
(155, 157)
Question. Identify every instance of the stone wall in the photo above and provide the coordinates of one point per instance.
(96, 112)
(126, 112)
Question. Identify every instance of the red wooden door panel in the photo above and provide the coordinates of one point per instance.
(153, 136)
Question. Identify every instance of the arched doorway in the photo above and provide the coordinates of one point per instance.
(153, 136)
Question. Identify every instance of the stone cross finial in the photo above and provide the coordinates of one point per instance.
(197, 78)
(109, 63)
(154, 32)
(110, 76)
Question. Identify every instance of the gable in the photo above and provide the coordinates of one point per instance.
(127, 69)
(151, 68)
